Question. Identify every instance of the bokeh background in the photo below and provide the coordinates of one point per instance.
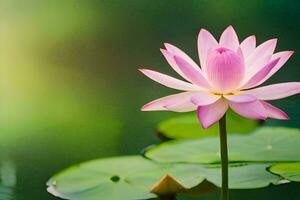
(69, 86)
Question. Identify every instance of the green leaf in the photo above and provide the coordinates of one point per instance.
(241, 176)
(105, 178)
(289, 171)
(133, 177)
(127, 177)
(248, 176)
(268, 144)
(179, 176)
(187, 126)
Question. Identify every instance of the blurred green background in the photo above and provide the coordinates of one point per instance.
(70, 91)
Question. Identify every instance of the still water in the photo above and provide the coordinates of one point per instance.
(70, 90)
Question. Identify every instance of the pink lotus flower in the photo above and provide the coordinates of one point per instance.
(229, 70)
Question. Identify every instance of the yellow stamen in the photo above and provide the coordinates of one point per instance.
(228, 94)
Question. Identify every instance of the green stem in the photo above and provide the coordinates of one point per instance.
(224, 157)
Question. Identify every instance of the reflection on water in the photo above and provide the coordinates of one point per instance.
(8, 180)
(69, 89)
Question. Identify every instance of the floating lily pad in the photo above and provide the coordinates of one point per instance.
(290, 171)
(101, 179)
(128, 177)
(241, 176)
(248, 176)
(169, 178)
(187, 126)
(268, 144)
(133, 177)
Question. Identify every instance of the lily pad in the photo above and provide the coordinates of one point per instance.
(127, 177)
(290, 171)
(247, 176)
(268, 144)
(169, 178)
(187, 126)
(103, 178)
(133, 177)
(241, 176)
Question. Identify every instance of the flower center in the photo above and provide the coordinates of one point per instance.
(221, 50)
(225, 69)
(227, 94)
